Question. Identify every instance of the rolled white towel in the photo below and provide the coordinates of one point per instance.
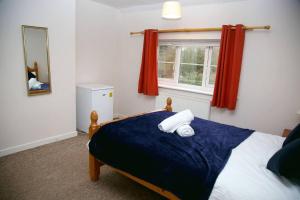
(170, 124)
(185, 131)
(34, 84)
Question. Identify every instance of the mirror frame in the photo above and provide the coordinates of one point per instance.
(37, 92)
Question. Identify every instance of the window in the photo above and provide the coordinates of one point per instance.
(190, 66)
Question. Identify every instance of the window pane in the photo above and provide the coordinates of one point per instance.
(215, 55)
(212, 75)
(166, 70)
(192, 55)
(191, 74)
(167, 53)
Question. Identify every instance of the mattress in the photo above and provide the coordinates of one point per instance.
(246, 177)
(186, 166)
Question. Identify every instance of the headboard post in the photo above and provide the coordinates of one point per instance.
(169, 105)
(93, 126)
(94, 164)
(36, 69)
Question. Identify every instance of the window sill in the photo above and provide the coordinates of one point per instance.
(185, 89)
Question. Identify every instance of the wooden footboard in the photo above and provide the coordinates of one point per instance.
(94, 164)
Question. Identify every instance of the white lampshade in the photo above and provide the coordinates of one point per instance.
(171, 10)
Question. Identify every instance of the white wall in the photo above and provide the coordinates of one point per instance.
(269, 87)
(25, 119)
(97, 52)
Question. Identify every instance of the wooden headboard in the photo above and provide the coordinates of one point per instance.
(34, 69)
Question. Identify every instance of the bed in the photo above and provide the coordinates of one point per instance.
(208, 166)
(34, 84)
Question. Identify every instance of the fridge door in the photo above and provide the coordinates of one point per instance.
(102, 102)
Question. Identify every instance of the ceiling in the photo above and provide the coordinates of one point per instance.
(133, 3)
(128, 3)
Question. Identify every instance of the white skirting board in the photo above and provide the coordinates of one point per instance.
(199, 104)
(36, 143)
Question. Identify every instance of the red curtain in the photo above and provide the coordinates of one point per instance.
(148, 84)
(229, 67)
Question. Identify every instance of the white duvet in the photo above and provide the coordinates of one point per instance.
(245, 176)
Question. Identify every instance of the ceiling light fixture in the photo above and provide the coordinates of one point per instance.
(171, 10)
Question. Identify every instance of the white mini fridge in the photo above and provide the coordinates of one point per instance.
(89, 97)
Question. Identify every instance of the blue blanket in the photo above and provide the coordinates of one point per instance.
(44, 86)
(187, 167)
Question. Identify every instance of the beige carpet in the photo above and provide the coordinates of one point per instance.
(59, 171)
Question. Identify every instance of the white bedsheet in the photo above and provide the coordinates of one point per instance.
(245, 176)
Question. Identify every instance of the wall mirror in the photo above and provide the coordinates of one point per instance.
(36, 54)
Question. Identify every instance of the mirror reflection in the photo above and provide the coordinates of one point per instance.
(36, 54)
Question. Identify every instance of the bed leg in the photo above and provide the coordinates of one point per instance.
(94, 168)
(94, 164)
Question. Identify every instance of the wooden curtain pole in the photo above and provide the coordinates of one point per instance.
(201, 29)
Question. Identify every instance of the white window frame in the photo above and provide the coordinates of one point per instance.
(205, 88)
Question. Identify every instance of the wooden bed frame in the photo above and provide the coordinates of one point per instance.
(95, 165)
